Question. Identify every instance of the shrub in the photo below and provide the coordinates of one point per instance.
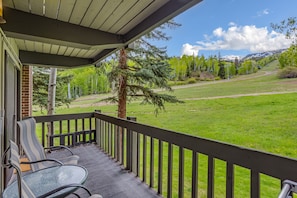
(174, 83)
(206, 76)
(288, 72)
(195, 74)
(191, 80)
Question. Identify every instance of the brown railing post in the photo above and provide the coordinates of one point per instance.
(98, 129)
(169, 170)
(210, 177)
(255, 184)
(43, 134)
(50, 133)
(120, 144)
(131, 148)
(115, 140)
(195, 174)
(230, 180)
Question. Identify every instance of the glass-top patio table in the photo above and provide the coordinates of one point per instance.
(48, 179)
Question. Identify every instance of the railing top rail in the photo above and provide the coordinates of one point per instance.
(262, 162)
(52, 118)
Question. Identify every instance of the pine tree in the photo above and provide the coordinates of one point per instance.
(221, 73)
(40, 88)
(236, 62)
(140, 70)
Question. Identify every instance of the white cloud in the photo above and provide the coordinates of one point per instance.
(232, 24)
(263, 12)
(240, 38)
(189, 50)
(266, 11)
(218, 32)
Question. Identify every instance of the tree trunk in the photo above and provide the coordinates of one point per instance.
(69, 91)
(51, 100)
(122, 101)
(52, 92)
(122, 94)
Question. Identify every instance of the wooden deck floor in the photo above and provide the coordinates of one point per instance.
(106, 177)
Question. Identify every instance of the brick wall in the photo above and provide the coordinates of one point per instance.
(27, 91)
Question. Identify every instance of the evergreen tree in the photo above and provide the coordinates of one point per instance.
(221, 73)
(140, 70)
(40, 87)
(236, 62)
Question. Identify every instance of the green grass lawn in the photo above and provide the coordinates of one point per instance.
(262, 84)
(272, 119)
(266, 123)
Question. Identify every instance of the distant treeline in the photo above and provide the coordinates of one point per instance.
(74, 83)
(185, 69)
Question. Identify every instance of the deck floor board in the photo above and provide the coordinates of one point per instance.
(107, 177)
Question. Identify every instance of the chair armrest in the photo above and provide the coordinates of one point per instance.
(64, 187)
(288, 188)
(3, 158)
(53, 148)
(44, 160)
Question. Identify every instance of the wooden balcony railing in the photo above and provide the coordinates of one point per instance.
(176, 164)
(68, 129)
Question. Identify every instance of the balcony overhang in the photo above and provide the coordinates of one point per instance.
(73, 33)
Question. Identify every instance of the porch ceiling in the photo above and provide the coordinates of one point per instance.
(72, 33)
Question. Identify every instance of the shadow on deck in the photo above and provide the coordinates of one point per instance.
(106, 177)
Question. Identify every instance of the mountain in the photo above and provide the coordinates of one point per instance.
(262, 54)
(231, 57)
(254, 56)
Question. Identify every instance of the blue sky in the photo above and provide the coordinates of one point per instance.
(230, 27)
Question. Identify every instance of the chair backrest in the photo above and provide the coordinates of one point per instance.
(14, 161)
(30, 143)
(23, 190)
